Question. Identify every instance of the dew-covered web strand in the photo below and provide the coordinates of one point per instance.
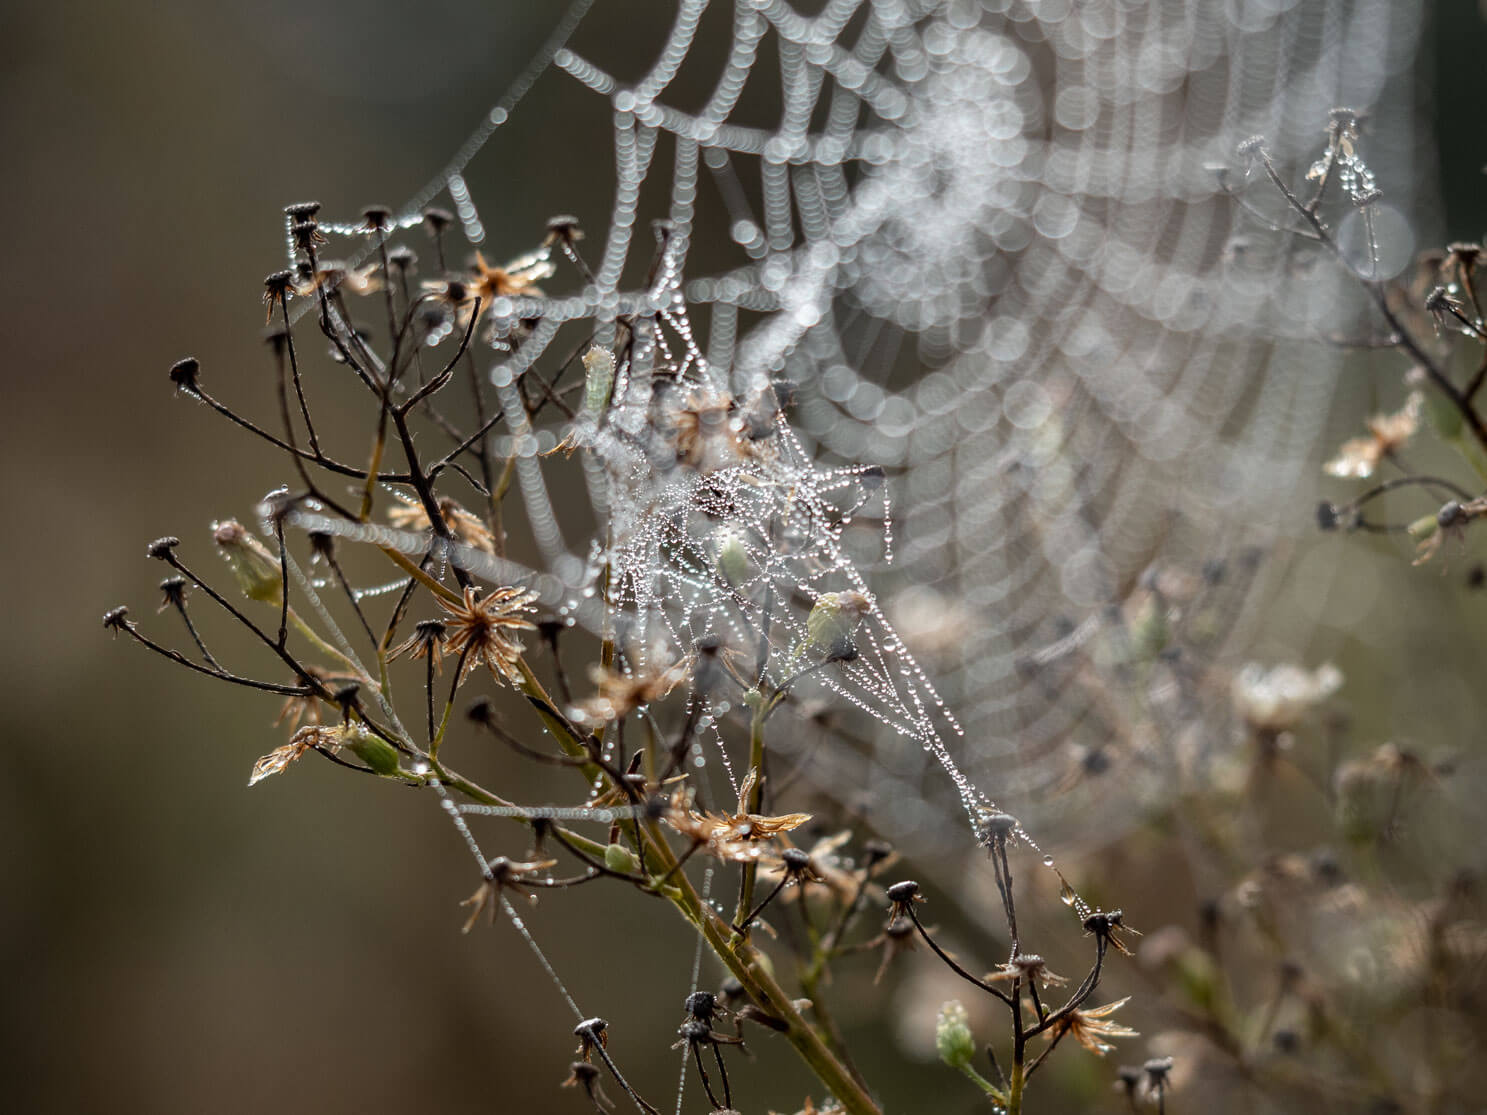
(451, 177)
(453, 812)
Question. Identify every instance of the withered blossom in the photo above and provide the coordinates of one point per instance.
(897, 937)
(481, 630)
(1358, 457)
(467, 528)
(501, 874)
(1027, 967)
(827, 868)
(1451, 519)
(1278, 698)
(312, 736)
(309, 709)
(620, 694)
(742, 837)
(1092, 1028)
(516, 278)
(333, 275)
(704, 431)
(427, 641)
(1110, 925)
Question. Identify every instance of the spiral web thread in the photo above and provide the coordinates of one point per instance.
(986, 245)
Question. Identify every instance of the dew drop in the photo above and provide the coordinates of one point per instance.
(1066, 895)
(1047, 861)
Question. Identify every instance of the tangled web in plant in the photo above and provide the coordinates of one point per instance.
(984, 247)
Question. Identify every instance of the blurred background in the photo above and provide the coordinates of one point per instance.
(176, 943)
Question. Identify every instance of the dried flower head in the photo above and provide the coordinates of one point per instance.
(620, 694)
(741, 837)
(427, 641)
(1109, 926)
(519, 277)
(827, 867)
(314, 736)
(481, 630)
(334, 275)
(1358, 457)
(309, 709)
(467, 528)
(1092, 1028)
(1027, 968)
(1276, 700)
(501, 874)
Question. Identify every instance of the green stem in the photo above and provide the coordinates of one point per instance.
(744, 963)
(985, 1085)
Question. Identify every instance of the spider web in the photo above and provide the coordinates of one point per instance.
(985, 246)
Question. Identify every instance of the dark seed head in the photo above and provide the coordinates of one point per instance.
(376, 217)
(901, 893)
(184, 373)
(584, 1074)
(564, 227)
(702, 1004)
(591, 1030)
(116, 619)
(432, 630)
(161, 547)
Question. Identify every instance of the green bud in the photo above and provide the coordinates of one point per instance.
(953, 1038)
(834, 618)
(617, 857)
(733, 559)
(1150, 632)
(1423, 527)
(598, 382)
(375, 751)
(256, 570)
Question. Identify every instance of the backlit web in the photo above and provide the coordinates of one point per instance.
(992, 359)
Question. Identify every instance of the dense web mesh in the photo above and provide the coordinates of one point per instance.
(994, 385)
